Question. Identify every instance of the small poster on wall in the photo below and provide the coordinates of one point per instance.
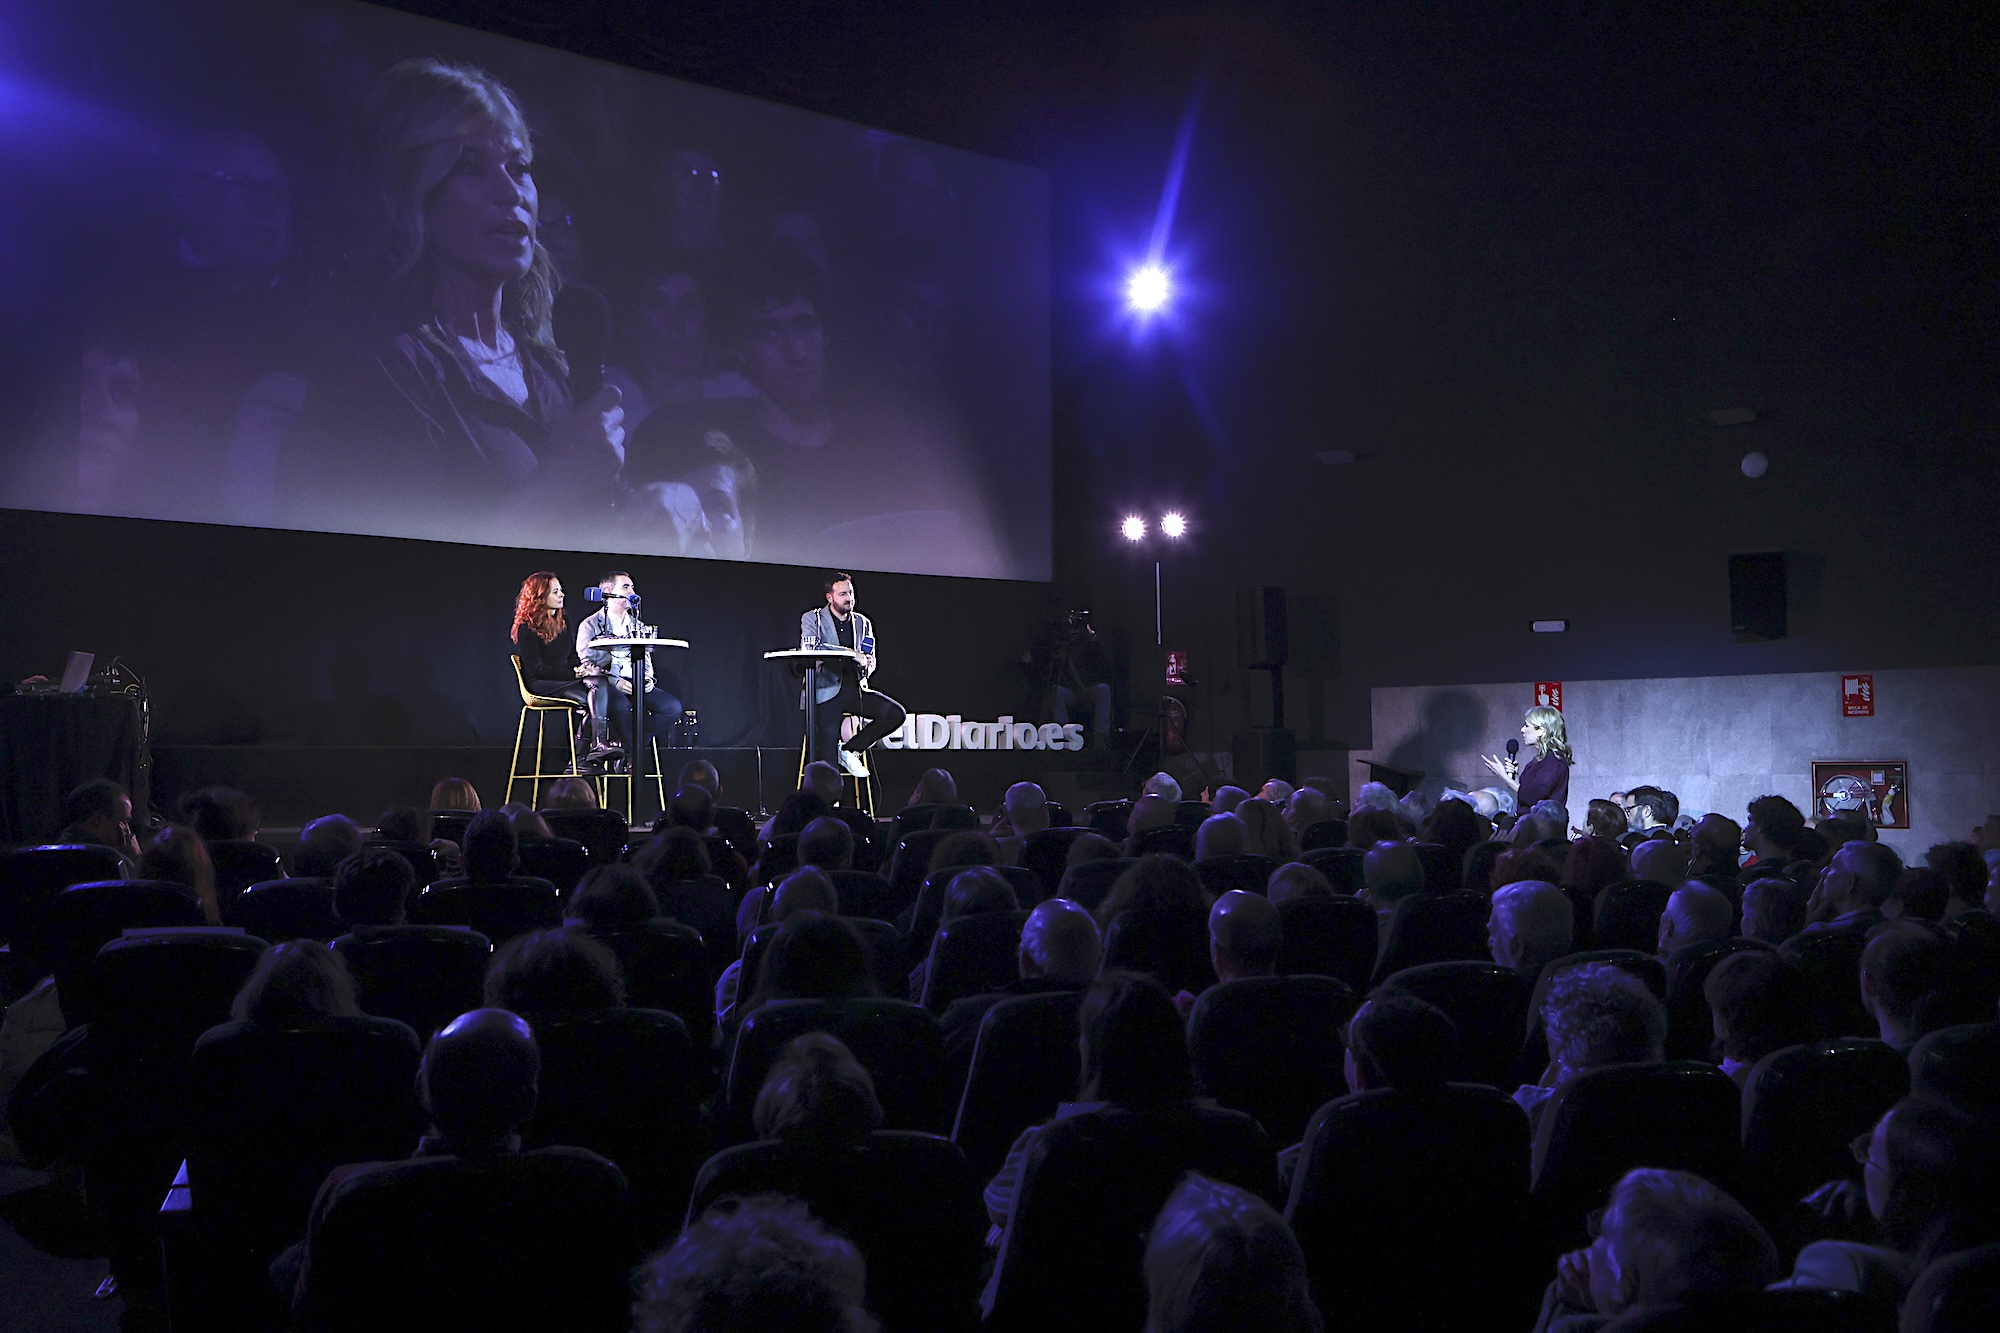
(1877, 790)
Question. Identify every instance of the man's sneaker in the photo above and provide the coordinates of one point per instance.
(853, 763)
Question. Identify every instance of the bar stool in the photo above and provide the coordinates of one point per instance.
(541, 706)
(604, 781)
(864, 787)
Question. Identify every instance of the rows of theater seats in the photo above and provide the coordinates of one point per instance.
(1412, 1212)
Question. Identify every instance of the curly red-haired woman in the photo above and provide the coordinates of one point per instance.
(548, 652)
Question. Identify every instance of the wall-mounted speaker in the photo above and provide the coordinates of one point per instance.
(1757, 602)
(1262, 640)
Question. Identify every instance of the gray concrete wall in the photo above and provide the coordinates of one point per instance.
(1719, 741)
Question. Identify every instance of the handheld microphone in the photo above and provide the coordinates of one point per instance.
(1513, 748)
(581, 322)
(632, 600)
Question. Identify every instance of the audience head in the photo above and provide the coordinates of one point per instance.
(1155, 884)
(676, 856)
(1060, 943)
(1603, 819)
(1812, 846)
(1931, 1173)
(1696, 914)
(827, 843)
(404, 824)
(1481, 859)
(1758, 1003)
(824, 781)
(757, 1264)
(491, 851)
(1091, 847)
(1266, 831)
(692, 807)
(478, 1080)
(799, 809)
(1027, 808)
(570, 794)
(1133, 1043)
(1773, 829)
(1964, 872)
(219, 814)
(935, 787)
(1922, 894)
(1845, 828)
(807, 889)
(1296, 879)
(454, 794)
(701, 773)
(1221, 835)
(1860, 877)
(176, 854)
(1392, 872)
(1374, 796)
(1651, 808)
(814, 956)
(1243, 935)
(323, 845)
(1455, 824)
(967, 847)
(1227, 799)
(1399, 1041)
(1660, 861)
(103, 809)
(976, 890)
(1532, 924)
(373, 888)
(525, 821)
(549, 972)
(1598, 1015)
(1220, 1259)
(297, 984)
(1484, 803)
(1518, 864)
(614, 895)
(1671, 1238)
(1369, 825)
(1718, 844)
(1305, 808)
(1277, 791)
(1150, 812)
(1591, 863)
(1163, 786)
(817, 1096)
(1774, 909)
(1909, 981)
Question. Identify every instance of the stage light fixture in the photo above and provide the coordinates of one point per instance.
(1133, 528)
(1148, 288)
(1172, 524)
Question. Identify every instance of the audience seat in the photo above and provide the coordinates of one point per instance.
(866, 832)
(1959, 1063)
(1803, 1105)
(739, 829)
(909, 864)
(1272, 1048)
(1331, 938)
(239, 864)
(928, 908)
(865, 893)
(1488, 1005)
(286, 909)
(887, 955)
(1045, 852)
(83, 918)
(779, 858)
(1248, 871)
(705, 906)
(1443, 872)
(1830, 962)
(666, 966)
(939, 816)
(897, 1042)
(1189, 814)
(1089, 883)
(1959, 1293)
(1387, 1194)
(423, 976)
(1690, 1025)
(520, 1243)
(1975, 940)
(1108, 818)
(1172, 947)
(1327, 833)
(30, 878)
(1175, 840)
(1024, 1065)
(604, 833)
(1059, 816)
(1680, 1116)
(909, 1202)
(1340, 865)
(560, 861)
(450, 825)
(1627, 915)
(971, 956)
(1434, 928)
(423, 859)
(497, 911)
(1090, 1189)
(626, 1084)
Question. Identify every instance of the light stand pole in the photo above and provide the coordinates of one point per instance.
(1173, 527)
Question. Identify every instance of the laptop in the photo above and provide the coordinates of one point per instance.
(76, 673)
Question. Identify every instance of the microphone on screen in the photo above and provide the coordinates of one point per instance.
(582, 326)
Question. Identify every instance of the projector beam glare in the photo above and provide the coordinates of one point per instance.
(1147, 290)
(1133, 528)
(1173, 525)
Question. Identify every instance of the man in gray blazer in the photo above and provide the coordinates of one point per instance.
(840, 688)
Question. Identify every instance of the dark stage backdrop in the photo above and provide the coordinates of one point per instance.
(247, 636)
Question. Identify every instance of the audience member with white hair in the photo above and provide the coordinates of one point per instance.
(1221, 835)
(1060, 950)
(1163, 785)
(1228, 798)
(1595, 1014)
(1660, 861)
(1277, 791)
(1024, 810)
(1415, 807)
(1531, 925)
(1696, 914)
(1220, 1258)
(1304, 808)
(1374, 796)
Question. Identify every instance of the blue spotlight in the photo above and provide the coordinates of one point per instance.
(1148, 289)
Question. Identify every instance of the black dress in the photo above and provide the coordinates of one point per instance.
(550, 668)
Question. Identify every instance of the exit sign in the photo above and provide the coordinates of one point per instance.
(1857, 696)
(1549, 694)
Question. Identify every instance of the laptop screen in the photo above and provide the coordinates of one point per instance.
(77, 672)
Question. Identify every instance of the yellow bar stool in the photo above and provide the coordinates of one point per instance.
(541, 706)
(604, 781)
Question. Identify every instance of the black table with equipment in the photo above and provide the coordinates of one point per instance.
(51, 744)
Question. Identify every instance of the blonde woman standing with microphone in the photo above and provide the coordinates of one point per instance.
(1546, 776)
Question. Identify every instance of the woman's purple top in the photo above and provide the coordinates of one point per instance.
(1544, 779)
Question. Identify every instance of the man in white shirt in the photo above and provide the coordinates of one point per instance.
(612, 687)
